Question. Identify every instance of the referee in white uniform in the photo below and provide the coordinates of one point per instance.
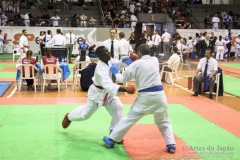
(58, 40)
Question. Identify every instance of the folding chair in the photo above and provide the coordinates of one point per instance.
(27, 71)
(76, 73)
(52, 72)
(174, 68)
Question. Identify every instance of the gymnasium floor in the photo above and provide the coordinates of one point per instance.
(30, 123)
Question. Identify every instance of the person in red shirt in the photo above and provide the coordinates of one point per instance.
(49, 59)
(29, 60)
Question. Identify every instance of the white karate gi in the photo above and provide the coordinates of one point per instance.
(23, 43)
(221, 45)
(145, 71)
(102, 77)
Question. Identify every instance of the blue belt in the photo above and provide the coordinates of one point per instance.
(152, 89)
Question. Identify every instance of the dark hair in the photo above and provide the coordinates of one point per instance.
(29, 54)
(24, 30)
(121, 34)
(82, 56)
(113, 29)
(144, 49)
(220, 38)
(100, 50)
(175, 49)
(48, 53)
(209, 49)
(59, 31)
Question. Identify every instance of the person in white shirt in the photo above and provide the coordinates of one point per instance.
(3, 19)
(156, 43)
(58, 40)
(166, 37)
(83, 20)
(149, 42)
(173, 61)
(182, 50)
(132, 7)
(47, 39)
(26, 19)
(237, 49)
(126, 46)
(1, 42)
(55, 20)
(71, 43)
(190, 44)
(133, 20)
(4, 6)
(215, 21)
(23, 43)
(209, 72)
(117, 50)
(82, 57)
(221, 45)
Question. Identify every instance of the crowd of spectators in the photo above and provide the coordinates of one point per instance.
(226, 20)
(118, 13)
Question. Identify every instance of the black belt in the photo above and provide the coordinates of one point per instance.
(57, 45)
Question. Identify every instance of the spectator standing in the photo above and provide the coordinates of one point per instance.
(133, 20)
(207, 21)
(204, 44)
(126, 46)
(156, 44)
(83, 20)
(55, 20)
(1, 42)
(132, 41)
(3, 19)
(47, 39)
(16, 6)
(166, 38)
(132, 7)
(70, 43)
(237, 49)
(26, 19)
(65, 5)
(215, 21)
(41, 41)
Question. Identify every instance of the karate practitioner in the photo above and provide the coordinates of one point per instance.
(103, 92)
(23, 43)
(151, 99)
